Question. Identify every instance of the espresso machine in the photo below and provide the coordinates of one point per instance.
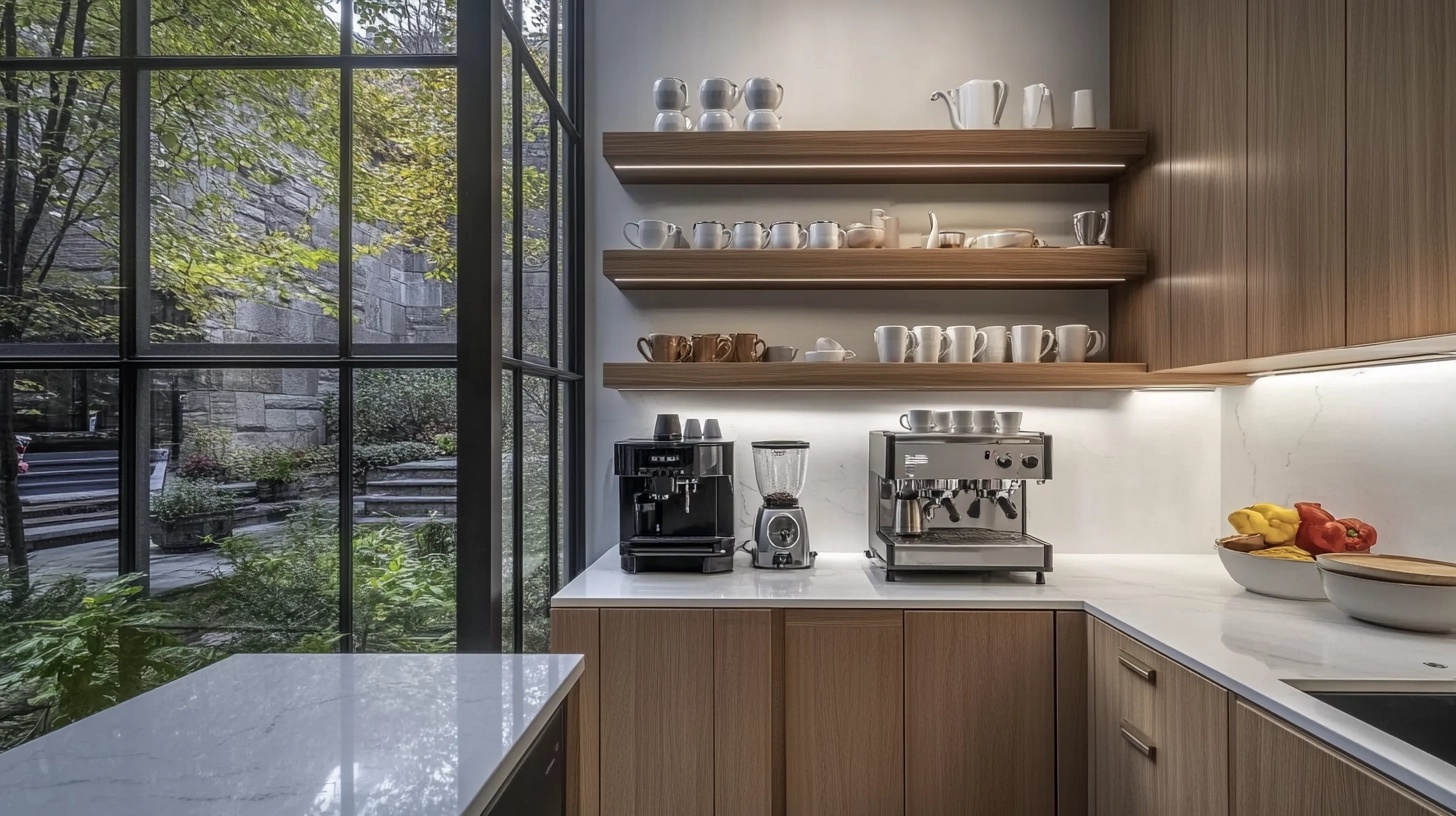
(675, 499)
(956, 502)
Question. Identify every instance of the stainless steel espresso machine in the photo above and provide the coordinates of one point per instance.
(675, 499)
(953, 502)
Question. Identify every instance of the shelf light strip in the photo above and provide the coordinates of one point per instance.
(1414, 358)
(666, 279)
(894, 166)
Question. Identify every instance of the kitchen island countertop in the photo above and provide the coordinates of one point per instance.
(425, 735)
(1185, 606)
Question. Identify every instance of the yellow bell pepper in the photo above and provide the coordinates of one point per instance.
(1276, 524)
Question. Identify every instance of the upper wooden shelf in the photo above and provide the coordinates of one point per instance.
(873, 268)
(873, 156)
(856, 376)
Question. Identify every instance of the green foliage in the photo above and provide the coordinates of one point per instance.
(273, 464)
(190, 497)
(435, 536)
(284, 597)
(448, 443)
(111, 647)
(369, 457)
(403, 405)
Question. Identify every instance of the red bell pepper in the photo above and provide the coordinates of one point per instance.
(1320, 532)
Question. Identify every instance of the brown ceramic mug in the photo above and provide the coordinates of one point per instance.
(747, 347)
(711, 348)
(664, 348)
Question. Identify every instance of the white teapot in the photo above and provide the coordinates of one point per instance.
(976, 105)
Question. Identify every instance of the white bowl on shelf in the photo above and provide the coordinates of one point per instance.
(1414, 607)
(1274, 577)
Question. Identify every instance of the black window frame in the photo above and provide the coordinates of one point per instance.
(477, 354)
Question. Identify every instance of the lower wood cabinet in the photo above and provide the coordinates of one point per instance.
(1280, 772)
(980, 713)
(1159, 733)
(844, 728)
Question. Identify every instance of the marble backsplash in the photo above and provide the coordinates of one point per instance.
(1376, 443)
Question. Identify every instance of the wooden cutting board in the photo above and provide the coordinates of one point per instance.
(1399, 568)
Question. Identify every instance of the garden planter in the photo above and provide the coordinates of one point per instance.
(192, 533)
(270, 490)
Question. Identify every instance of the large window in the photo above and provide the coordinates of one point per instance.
(290, 352)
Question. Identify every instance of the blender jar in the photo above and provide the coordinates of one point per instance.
(780, 467)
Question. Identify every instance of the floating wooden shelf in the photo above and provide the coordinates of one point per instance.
(873, 268)
(873, 156)
(906, 377)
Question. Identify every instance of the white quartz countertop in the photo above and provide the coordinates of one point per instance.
(1185, 606)
(314, 735)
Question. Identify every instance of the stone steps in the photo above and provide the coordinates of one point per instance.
(406, 506)
(413, 487)
(429, 469)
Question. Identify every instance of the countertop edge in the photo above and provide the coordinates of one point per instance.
(512, 758)
(811, 603)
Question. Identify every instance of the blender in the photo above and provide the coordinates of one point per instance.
(781, 533)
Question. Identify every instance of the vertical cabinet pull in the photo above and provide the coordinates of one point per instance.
(1137, 667)
(1138, 741)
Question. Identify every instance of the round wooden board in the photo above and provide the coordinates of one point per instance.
(1398, 568)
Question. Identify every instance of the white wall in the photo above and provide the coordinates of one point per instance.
(1134, 472)
(1378, 444)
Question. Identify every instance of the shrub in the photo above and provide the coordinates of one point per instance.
(448, 443)
(402, 405)
(368, 457)
(202, 466)
(272, 464)
(209, 441)
(190, 497)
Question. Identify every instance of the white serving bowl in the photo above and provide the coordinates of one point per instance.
(1275, 577)
(1416, 607)
(835, 356)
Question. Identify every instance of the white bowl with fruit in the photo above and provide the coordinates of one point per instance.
(1272, 556)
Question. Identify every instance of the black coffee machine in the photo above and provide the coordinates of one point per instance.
(676, 501)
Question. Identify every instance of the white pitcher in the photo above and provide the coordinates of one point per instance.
(976, 105)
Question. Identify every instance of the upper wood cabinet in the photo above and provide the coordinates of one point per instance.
(980, 713)
(1280, 772)
(1296, 153)
(1401, 246)
(844, 729)
(657, 712)
(1207, 140)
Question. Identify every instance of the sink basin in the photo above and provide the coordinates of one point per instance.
(1420, 712)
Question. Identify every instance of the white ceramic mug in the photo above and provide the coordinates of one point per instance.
(983, 421)
(962, 421)
(763, 119)
(1008, 422)
(670, 94)
(893, 343)
(787, 235)
(762, 93)
(717, 93)
(749, 235)
(1036, 106)
(1030, 343)
(965, 343)
(672, 122)
(918, 421)
(929, 343)
(716, 120)
(651, 234)
(710, 235)
(1076, 342)
(826, 235)
(997, 339)
(1084, 112)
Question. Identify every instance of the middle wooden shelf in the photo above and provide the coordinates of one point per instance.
(1045, 268)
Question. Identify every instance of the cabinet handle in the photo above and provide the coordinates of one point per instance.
(1138, 741)
(1138, 667)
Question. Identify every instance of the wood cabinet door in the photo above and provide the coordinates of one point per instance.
(578, 631)
(1281, 772)
(1297, 175)
(1401, 244)
(1193, 756)
(1124, 715)
(657, 712)
(1207, 146)
(980, 713)
(748, 654)
(844, 727)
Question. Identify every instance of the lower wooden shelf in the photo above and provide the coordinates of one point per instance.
(903, 377)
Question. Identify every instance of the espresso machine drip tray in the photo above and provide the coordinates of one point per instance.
(961, 549)
(967, 535)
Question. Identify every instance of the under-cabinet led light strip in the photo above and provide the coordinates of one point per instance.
(1415, 358)
(677, 280)
(896, 166)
